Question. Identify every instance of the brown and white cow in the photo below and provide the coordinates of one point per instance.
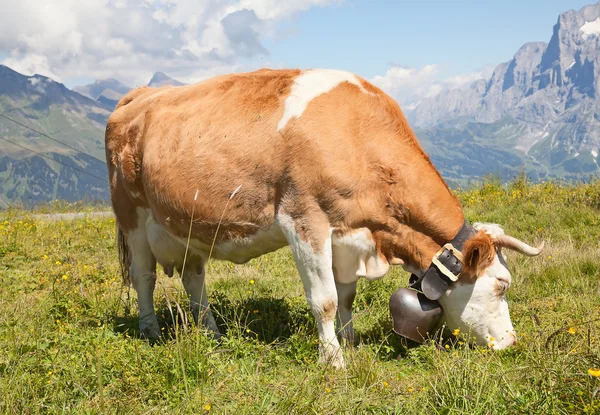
(320, 160)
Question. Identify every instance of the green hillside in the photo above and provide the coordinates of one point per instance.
(52, 144)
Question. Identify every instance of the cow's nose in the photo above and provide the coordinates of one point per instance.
(509, 340)
(514, 337)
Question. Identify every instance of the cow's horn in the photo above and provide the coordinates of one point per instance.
(510, 242)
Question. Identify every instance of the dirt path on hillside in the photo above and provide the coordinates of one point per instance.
(72, 216)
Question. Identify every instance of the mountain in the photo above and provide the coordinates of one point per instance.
(542, 106)
(107, 91)
(162, 79)
(34, 168)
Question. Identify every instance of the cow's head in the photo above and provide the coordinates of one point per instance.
(476, 303)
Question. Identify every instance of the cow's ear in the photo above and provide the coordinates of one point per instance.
(478, 253)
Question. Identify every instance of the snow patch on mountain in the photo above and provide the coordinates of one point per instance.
(590, 29)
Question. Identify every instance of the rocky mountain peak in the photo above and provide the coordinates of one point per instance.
(161, 79)
(550, 92)
(102, 87)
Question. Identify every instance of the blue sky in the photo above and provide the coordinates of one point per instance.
(367, 36)
(411, 48)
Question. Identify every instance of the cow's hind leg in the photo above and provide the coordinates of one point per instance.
(194, 283)
(143, 275)
(313, 257)
(171, 253)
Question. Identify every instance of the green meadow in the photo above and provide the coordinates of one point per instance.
(69, 340)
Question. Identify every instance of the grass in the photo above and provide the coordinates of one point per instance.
(69, 341)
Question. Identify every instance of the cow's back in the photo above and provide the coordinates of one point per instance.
(277, 136)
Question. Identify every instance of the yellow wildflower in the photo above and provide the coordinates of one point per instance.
(65, 276)
(447, 346)
(456, 332)
(327, 390)
(247, 330)
(492, 339)
(251, 282)
(207, 407)
(572, 330)
(594, 372)
(385, 384)
(58, 262)
(410, 390)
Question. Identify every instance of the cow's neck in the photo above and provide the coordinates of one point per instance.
(427, 214)
(423, 201)
(436, 213)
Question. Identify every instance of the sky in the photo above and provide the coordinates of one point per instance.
(413, 49)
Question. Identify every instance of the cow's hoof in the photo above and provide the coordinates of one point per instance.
(151, 334)
(149, 328)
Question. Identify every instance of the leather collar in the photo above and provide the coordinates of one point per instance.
(445, 268)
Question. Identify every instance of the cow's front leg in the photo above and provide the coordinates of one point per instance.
(312, 253)
(195, 287)
(345, 294)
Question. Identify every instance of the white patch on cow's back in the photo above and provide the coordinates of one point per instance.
(309, 85)
(355, 255)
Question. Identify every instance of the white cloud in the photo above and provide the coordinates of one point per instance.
(131, 39)
(409, 86)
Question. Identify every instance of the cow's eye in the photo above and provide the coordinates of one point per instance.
(501, 287)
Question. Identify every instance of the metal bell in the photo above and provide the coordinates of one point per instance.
(414, 315)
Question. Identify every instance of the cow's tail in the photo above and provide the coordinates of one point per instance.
(124, 257)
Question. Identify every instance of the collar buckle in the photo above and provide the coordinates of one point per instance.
(449, 261)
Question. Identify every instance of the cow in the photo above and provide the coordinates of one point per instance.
(320, 160)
